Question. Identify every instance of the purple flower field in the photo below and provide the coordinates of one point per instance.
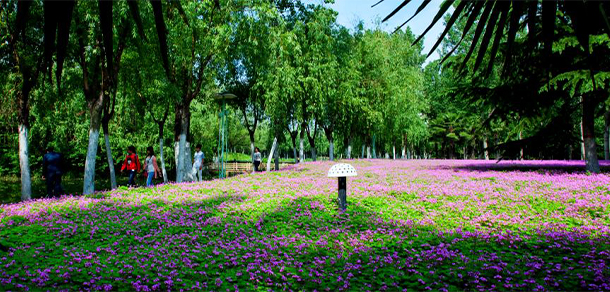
(410, 225)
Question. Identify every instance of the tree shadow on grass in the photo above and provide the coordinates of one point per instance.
(545, 167)
(305, 243)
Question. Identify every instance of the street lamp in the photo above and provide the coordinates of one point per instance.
(222, 132)
(341, 171)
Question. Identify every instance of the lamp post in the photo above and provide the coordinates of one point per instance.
(222, 132)
(342, 171)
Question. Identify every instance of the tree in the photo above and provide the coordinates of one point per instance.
(338, 86)
(504, 18)
(249, 62)
(403, 111)
(23, 37)
(56, 25)
(282, 89)
(100, 70)
(310, 56)
(194, 47)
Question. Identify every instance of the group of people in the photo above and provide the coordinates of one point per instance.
(131, 164)
(53, 168)
(151, 169)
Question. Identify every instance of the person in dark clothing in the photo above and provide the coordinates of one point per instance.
(131, 164)
(51, 172)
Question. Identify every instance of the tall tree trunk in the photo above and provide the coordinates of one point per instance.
(465, 152)
(403, 152)
(176, 152)
(588, 126)
(294, 148)
(362, 154)
(497, 138)
(109, 158)
(473, 151)
(301, 144)
(485, 151)
(180, 158)
(582, 137)
(607, 135)
(276, 158)
(368, 152)
(29, 73)
(94, 136)
(188, 163)
(161, 125)
(181, 132)
(521, 148)
(251, 134)
(349, 148)
(452, 149)
(331, 144)
(97, 89)
(24, 161)
(271, 153)
(163, 170)
(374, 150)
(312, 146)
(252, 149)
(394, 152)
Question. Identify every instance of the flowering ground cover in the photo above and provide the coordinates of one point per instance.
(415, 225)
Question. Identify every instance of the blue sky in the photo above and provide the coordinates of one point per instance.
(352, 11)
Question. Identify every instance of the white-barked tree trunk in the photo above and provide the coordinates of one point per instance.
(180, 160)
(89, 180)
(162, 160)
(24, 163)
(110, 160)
(271, 153)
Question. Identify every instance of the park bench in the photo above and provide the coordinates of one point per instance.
(232, 167)
(238, 167)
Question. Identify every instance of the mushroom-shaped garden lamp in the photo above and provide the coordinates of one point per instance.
(341, 171)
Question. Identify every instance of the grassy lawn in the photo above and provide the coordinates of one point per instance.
(416, 225)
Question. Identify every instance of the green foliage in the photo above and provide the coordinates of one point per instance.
(294, 69)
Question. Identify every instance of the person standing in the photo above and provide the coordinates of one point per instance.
(52, 163)
(131, 164)
(198, 163)
(257, 158)
(150, 166)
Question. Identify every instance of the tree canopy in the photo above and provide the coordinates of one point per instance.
(517, 80)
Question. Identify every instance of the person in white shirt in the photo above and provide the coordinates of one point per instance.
(198, 163)
(257, 158)
(150, 167)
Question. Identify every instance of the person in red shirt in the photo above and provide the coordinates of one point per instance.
(131, 164)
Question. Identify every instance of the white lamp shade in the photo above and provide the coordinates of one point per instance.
(342, 170)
